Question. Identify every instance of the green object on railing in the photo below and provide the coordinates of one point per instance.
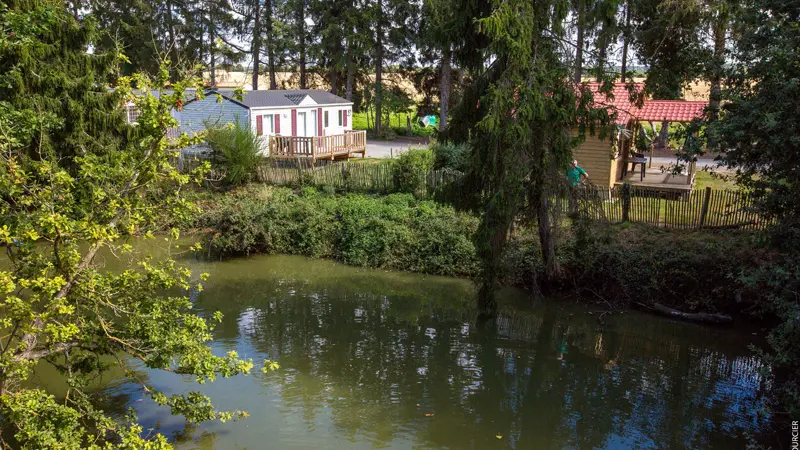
(429, 120)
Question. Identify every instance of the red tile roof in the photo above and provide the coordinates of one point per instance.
(651, 110)
(671, 110)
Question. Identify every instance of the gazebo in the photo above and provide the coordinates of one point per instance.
(607, 160)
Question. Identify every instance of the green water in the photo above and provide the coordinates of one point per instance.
(371, 359)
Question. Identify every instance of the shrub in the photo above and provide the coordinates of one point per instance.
(393, 232)
(451, 156)
(237, 149)
(410, 169)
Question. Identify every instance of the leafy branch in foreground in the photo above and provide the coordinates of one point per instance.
(75, 179)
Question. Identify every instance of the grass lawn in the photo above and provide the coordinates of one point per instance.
(368, 160)
(705, 179)
(398, 122)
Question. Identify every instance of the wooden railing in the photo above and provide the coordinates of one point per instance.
(356, 138)
(319, 147)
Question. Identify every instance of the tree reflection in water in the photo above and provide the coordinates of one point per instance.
(378, 360)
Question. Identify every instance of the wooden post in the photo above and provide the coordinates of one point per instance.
(314, 147)
(299, 171)
(704, 210)
(626, 201)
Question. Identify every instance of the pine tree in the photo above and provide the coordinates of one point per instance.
(668, 39)
(394, 23)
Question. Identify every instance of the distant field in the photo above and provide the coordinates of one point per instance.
(698, 90)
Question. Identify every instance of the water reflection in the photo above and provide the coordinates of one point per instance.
(377, 360)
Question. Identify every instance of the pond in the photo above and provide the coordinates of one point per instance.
(371, 359)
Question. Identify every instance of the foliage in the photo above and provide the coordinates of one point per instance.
(638, 264)
(452, 156)
(669, 40)
(519, 116)
(410, 169)
(757, 135)
(393, 232)
(237, 149)
(75, 178)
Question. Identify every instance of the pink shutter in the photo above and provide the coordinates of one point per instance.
(259, 125)
(277, 124)
(319, 121)
(294, 122)
(344, 118)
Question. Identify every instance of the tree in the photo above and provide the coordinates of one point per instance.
(519, 115)
(392, 22)
(626, 40)
(758, 127)
(332, 29)
(75, 181)
(667, 38)
(757, 135)
(438, 28)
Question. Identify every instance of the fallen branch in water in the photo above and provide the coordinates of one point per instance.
(692, 317)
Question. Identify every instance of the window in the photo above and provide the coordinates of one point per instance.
(133, 113)
(311, 125)
(266, 124)
(269, 126)
(325, 115)
(341, 121)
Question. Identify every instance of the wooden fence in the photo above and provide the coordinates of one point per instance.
(349, 176)
(705, 208)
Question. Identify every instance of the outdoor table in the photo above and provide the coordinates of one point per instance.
(633, 162)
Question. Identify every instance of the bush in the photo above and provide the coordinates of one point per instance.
(631, 263)
(452, 156)
(238, 150)
(395, 232)
(410, 170)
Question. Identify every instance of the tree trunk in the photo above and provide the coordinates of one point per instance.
(334, 77)
(602, 52)
(720, 30)
(444, 87)
(351, 73)
(626, 38)
(273, 84)
(579, 41)
(378, 68)
(301, 42)
(173, 44)
(663, 136)
(256, 46)
(213, 64)
(552, 267)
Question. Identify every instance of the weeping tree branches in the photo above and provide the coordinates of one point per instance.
(527, 117)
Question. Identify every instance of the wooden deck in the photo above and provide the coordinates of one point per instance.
(336, 146)
(659, 177)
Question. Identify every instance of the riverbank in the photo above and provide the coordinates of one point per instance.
(618, 266)
(625, 265)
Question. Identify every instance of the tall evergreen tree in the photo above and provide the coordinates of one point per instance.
(668, 39)
(394, 23)
(519, 115)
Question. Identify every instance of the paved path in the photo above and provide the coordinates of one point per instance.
(388, 149)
